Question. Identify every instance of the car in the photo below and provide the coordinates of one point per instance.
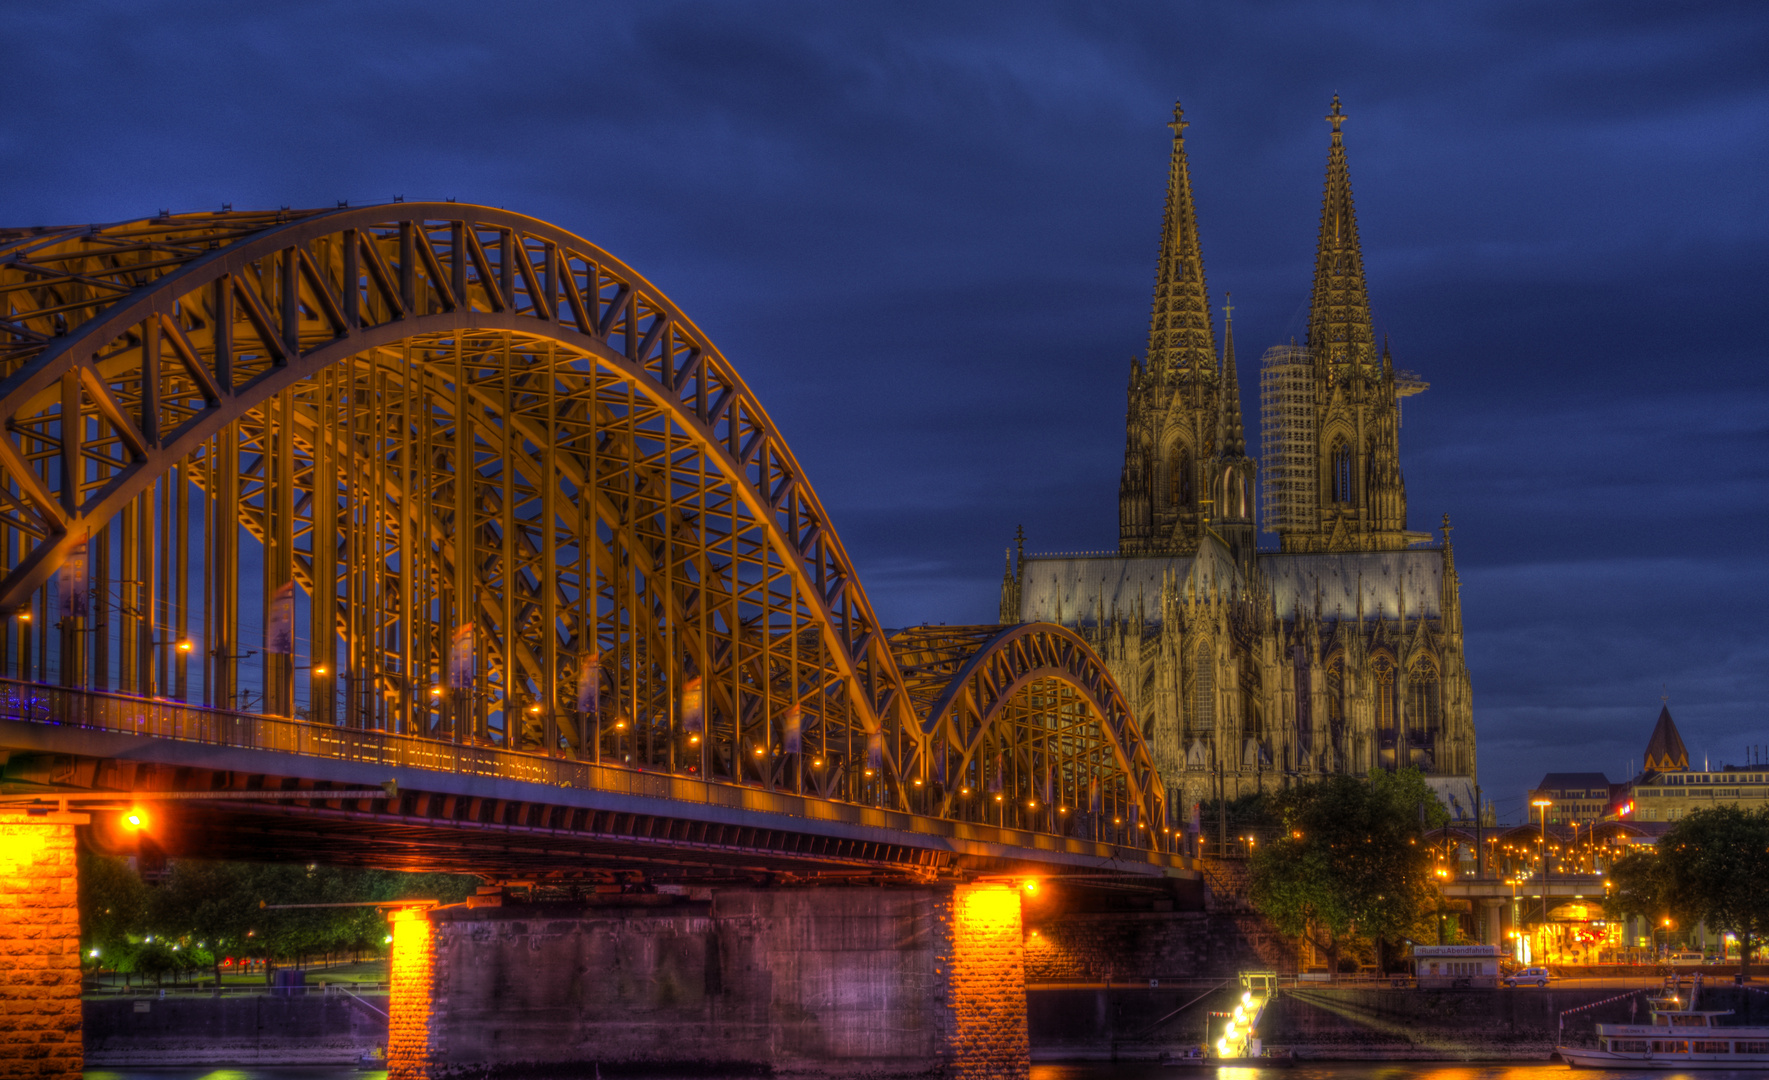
(1532, 976)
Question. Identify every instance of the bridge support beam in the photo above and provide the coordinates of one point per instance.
(39, 947)
(816, 982)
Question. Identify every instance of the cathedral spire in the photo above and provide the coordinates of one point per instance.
(1231, 439)
(1180, 339)
(1339, 327)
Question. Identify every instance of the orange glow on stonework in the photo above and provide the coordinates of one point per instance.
(409, 970)
(987, 953)
(20, 847)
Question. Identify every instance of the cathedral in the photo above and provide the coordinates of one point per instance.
(1339, 651)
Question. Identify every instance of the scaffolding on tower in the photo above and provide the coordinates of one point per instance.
(1287, 440)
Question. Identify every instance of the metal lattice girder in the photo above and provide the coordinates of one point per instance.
(1025, 724)
(499, 484)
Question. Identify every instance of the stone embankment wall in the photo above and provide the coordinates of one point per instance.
(1134, 947)
(1342, 1023)
(256, 1029)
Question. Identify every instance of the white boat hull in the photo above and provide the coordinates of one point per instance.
(1587, 1058)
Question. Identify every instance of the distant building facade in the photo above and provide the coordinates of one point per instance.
(1340, 653)
(1668, 789)
(1573, 797)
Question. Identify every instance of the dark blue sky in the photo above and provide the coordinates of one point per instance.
(926, 235)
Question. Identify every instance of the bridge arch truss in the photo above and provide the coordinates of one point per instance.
(454, 472)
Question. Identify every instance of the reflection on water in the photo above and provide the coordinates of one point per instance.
(1375, 1070)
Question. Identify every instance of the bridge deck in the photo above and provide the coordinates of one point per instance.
(485, 809)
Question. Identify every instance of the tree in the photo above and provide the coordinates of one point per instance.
(1349, 863)
(1713, 866)
(1636, 888)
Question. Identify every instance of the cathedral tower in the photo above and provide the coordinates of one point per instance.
(1362, 501)
(1232, 472)
(1172, 414)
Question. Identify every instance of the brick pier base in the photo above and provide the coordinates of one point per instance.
(985, 976)
(411, 974)
(39, 948)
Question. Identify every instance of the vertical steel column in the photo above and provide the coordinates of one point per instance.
(549, 568)
(465, 603)
(180, 548)
(512, 443)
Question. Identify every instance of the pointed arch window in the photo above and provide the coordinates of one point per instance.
(1424, 703)
(1340, 474)
(1181, 476)
(1370, 466)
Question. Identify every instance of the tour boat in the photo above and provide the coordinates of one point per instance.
(1675, 1038)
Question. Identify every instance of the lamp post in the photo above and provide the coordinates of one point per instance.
(1543, 804)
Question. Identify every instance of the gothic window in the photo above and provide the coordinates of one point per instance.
(1304, 698)
(1180, 477)
(1335, 692)
(1234, 496)
(1204, 694)
(1424, 698)
(1382, 668)
(1340, 463)
(1369, 467)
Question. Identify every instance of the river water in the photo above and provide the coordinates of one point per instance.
(1120, 1071)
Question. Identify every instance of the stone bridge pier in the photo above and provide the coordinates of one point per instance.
(819, 982)
(39, 947)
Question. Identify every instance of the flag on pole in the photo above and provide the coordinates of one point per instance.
(994, 785)
(940, 765)
(460, 658)
(1134, 808)
(1049, 781)
(589, 684)
(792, 730)
(875, 750)
(691, 707)
(1093, 795)
(72, 586)
(279, 634)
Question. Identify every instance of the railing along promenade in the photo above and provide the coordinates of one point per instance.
(98, 710)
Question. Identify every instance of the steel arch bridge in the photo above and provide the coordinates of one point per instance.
(452, 472)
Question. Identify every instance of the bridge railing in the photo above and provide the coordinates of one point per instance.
(125, 714)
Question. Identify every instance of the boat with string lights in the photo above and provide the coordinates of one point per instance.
(1676, 1036)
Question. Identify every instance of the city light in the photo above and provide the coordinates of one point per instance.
(185, 645)
(1031, 886)
(135, 819)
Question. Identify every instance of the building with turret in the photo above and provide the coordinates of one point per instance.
(1341, 650)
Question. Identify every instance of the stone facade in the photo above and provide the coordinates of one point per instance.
(40, 1021)
(1341, 652)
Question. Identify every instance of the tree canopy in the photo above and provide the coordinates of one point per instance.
(1349, 865)
(205, 911)
(1711, 866)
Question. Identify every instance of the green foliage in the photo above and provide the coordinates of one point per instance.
(1713, 866)
(1636, 888)
(1257, 811)
(1349, 864)
(206, 911)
